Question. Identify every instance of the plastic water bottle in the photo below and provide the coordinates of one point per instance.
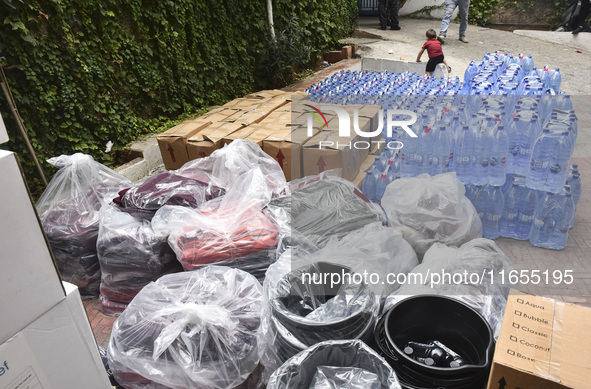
(545, 77)
(386, 178)
(425, 145)
(540, 159)
(528, 64)
(482, 142)
(508, 225)
(528, 128)
(463, 152)
(552, 220)
(574, 181)
(442, 151)
(559, 164)
(408, 156)
(498, 156)
(368, 187)
(493, 210)
(527, 199)
(555, 81)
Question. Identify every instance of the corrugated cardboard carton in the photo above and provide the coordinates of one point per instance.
(210, 139)
(327, 151)
(172, 143)
(254, 133)
(543, 343)
(285, 145)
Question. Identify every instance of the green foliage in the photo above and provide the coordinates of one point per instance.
(87, 72)
(482, 11)
(547, 11)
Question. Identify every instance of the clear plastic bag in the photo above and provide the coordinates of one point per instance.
(232, 230)
(336, 364)
(328, 293)
(328, 207)
(192, 329)
(130, 257)
(487, 294)
(429, 209)
(227, 164)
(189, 188)
(69, 212)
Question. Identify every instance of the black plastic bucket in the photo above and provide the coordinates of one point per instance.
(293, 333)
(298, 372)
(425, 319)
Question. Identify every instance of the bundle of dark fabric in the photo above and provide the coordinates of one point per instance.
(69, 212)
(188, 330)
(130, 257)
(184, 187)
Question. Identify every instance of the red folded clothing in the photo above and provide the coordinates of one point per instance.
(254, 233)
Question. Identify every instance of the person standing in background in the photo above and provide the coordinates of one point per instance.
(450, 6)
(388, 11)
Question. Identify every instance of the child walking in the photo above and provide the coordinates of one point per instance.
(434, 51)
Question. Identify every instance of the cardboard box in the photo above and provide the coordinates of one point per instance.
(327, 151)
(254, 133)
(57, 350)
(365, 166)
(266, 94)
(29, 281)
(172, 143)
(543, 343)
(285, 145)
(210, 139)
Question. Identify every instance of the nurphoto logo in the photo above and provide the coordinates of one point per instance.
(395, 118)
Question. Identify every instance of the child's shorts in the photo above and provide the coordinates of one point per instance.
(433, 62)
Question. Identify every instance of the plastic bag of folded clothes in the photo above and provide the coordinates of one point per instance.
(430, 209)
(187, 330)
(325, 206)
(232, 230)
(227, 164)
(342, 364)
(471, 273)
(69, 212)
(130, 257)
(324, 295)
(184, 187)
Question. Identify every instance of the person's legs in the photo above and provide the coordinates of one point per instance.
(382, 14)
(393, 8)
(464, 5)
(450, 6)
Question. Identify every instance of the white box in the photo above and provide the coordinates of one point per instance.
(3, 133)
(29, 281)
(55, 351)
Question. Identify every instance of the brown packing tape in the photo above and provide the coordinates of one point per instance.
(172, 143)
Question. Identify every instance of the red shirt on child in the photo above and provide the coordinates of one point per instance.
(433, 47)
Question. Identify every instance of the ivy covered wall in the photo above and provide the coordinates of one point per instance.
(87, 72)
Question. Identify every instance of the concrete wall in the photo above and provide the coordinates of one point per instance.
(414, 5)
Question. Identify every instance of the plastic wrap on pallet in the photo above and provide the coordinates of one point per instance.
(192, 329)
(431, 209)
(232, 230)
(343, 364)
(69, 212)
(330, 206)
(471, 274)
(317, 301)
(130, 257)
(187, 187)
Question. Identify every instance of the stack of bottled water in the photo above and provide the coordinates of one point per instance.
(507, 131)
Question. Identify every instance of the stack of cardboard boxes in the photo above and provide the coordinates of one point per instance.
(45, 338)
(282, 126)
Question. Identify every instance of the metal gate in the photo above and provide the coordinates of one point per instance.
(367, 7)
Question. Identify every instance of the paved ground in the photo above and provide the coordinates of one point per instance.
(545, 50)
